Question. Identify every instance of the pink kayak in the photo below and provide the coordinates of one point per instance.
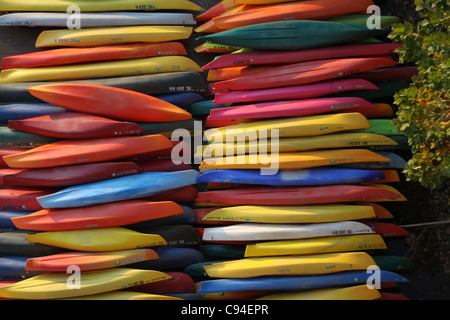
(294, 92)
(289, 108)
(293, 56)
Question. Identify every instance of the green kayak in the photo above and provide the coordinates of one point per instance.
(293, 34)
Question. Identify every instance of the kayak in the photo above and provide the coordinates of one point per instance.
(92, 37)
(303, 10)
(174, 235)
(361, 292)
(299, 195)
(118, 189)
(22, 199)
(330, 141)
(316, 176)
(290, 214)
(65, 176)
(290, 265)
(289, 283)
(98, 240)
(13, 268)
(15, 243)
(88, 261)
(289, 35)
(104, 101)
(387, 229)
(95, 20)
(15, 139)
(55, 285)
(309, 126)
(294, 161)
(216, 10)
(362, 19)
(69, 152)
(75, 125)
(382, 126)
(304, 73)
(255, 232)
(295, 56)
(287, 108)
(6, 224)
(102, 69)
(235, 72)
(65, 56)
(182, 99)
(20, 111)
(395, 162)
(326, 244)
(294, 92)
(390, 74)
(97, 216)
(108, 5)
(121, 295)
(151, 84)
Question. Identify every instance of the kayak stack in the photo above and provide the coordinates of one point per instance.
(300, 159)
(88, 185)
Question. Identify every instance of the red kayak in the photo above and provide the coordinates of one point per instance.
(290, 108)
(66, 176)
(98, 216)
(69, 152)
(184, 194)
(295, 56)
(304, 73)
(162, 166)
(66, 56)
(88, 261)
(386, 229)
(74, 125)
(22, 199)
(389, 74)
(299, 195)
(216, 10)
(110, 102)
(294, 92)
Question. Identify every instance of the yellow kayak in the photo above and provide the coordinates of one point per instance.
(316, 245)
(294, 161)
(56, 285)
(124, 295)
(290, 265)
(107, 69)
(292, 214)
(102, 239)
(361, 292)
(289, 127)
(329, 141)
(92, 37)
(93, 6)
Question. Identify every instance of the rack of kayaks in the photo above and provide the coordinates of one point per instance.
(296, 207)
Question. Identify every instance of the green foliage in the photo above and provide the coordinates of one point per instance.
(423, 108)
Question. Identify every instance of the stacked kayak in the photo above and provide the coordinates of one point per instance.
(299, 163)
(88, 124)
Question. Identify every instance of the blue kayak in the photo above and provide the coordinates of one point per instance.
(13, 268)
(118, 189)
(306, 177)
(183, 100)
(285, 283)
(171, 258)
(20, 111)
(6, 223)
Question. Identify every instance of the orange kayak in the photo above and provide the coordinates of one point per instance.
(67, 152)
(114, 103)
(298, 10)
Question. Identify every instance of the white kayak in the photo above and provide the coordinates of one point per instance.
(262, 232)
(92, 20)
